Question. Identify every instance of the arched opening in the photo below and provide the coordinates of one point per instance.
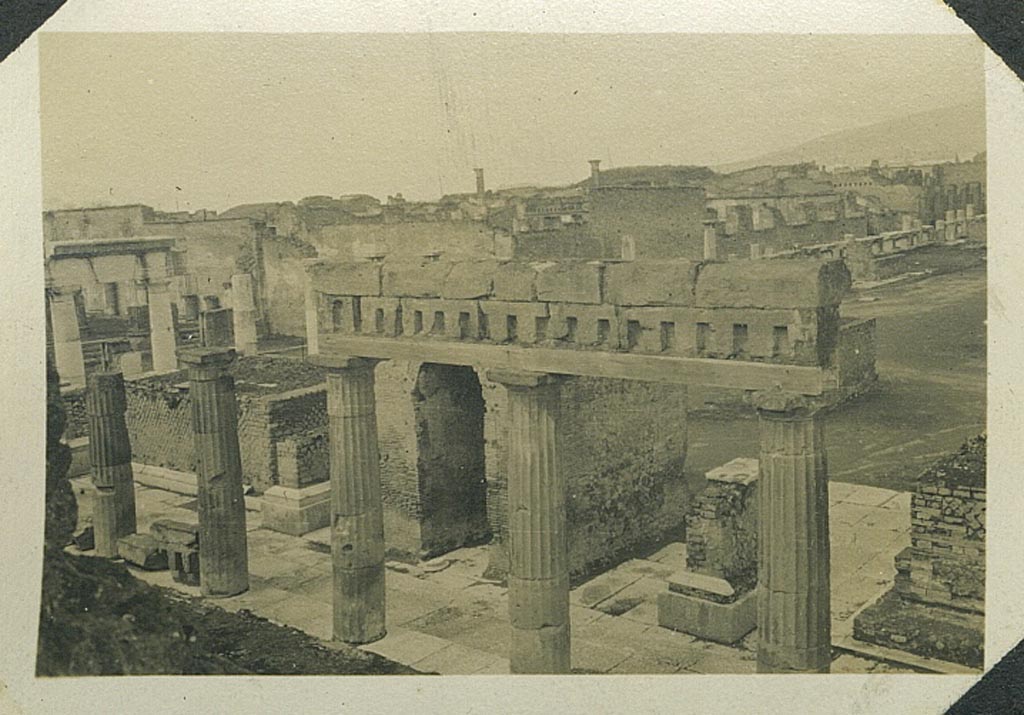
(449, 409)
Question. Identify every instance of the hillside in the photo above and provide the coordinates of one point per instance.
(934, 135)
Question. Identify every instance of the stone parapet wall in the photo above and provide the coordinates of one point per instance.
(767, 311)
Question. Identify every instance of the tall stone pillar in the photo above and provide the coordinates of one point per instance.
(223, 548)
(710, 241)
(110, 454)
(357, 511)
(794, 621)
(312, 318)
(538, 595)
(67, 341)
(243, 309)
(162, 331)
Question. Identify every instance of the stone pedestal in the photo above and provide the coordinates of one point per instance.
(243, 314)
(794, 627)
(357, 511)
(67, 341)
(297, 510)
(162, 332)
(223, 549)
(538, 575)
(110, 456)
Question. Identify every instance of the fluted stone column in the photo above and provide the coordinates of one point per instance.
(110, 454)
(538, 595)
(794, 626)
(312, 319)
(357, 511)
(223, 548)
(162, 332)
(67, 340)
(243, 310)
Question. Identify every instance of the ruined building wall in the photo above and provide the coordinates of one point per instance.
(622, 457)
(94, 224)
(664, 222)
(455, 239)
(285, 287)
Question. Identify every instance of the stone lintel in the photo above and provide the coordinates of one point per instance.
(742, 470)
(519, 378)
(342, 362)
(207, 357)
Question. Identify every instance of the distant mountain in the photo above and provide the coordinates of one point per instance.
(935, 135)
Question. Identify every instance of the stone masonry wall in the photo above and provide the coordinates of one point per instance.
(721, 534)
(781, 311)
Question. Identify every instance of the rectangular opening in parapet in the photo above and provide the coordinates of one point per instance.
(780, 340)
(512, 328)
(541, 327)
(464, 325)
(570, 329)
(378, 320)
(604, 330)
(417, 322)
(438, 326)
(668, 336)
(633, 330)
(703, 337)
(739, 338)
(338, 314)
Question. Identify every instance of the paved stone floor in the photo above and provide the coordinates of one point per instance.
(444, 617)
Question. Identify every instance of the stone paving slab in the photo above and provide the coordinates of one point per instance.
(454, 621)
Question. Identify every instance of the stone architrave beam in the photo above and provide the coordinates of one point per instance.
(794, 626)
(110, 454)
(357, 510)
(539, 573)
(223, 547)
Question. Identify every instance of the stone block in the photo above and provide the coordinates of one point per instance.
(515, 281)
(569, 282)
(346, 278)
(782, 283)
(142, 550)
(650, 282)
(297, 511)
(468, 280)
(720, 622)
(515, 322)
(81, 462)
(587, 325)
(415, 279)
(85, 540)
(689, 582)
(170, 533)
(742, 470)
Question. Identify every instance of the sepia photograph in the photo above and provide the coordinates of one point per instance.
(514, 353)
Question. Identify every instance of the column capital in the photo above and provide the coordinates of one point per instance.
(522, 378)
(781, 404)
(210, 357)
(342, 362)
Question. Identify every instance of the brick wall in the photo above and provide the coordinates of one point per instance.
(721, 532)
(855, 355)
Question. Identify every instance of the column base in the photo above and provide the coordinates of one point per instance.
(540, 650)
(359, 605)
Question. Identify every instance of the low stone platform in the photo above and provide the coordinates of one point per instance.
(444, 616)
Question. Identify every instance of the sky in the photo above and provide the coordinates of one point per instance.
(185, 121)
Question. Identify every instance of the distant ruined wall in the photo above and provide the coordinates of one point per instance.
(662, 222)
(454, 239)
(284, 260)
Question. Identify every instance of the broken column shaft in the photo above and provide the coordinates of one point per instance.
(794, 626)
(162, 332)
(243, 305)
(223, 550)
(67, 341)
(357, 510)
(539, 574)
(110, 454)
